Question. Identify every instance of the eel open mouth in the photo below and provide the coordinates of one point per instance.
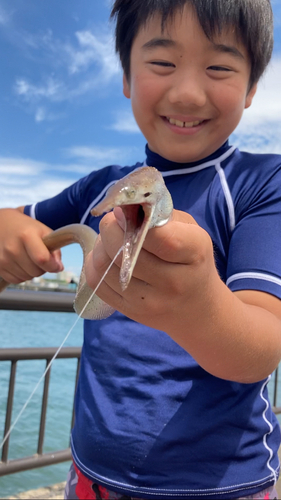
(138, 219)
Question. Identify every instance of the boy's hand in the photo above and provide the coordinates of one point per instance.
(172, 274)
(23, 254)
(176, 288)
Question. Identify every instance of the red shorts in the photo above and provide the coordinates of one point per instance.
(80, 487)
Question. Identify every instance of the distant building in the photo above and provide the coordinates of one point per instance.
(67, 277)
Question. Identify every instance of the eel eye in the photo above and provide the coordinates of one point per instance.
(146, 195)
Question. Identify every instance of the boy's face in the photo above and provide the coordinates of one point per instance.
(188, 93)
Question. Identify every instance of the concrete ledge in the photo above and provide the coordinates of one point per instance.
(50, 492)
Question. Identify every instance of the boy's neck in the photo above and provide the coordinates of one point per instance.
(157, 161)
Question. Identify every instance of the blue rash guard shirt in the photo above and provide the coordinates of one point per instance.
(150, 422)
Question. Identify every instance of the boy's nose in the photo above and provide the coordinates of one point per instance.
(188, 91)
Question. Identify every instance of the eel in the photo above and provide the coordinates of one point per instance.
(145, 202)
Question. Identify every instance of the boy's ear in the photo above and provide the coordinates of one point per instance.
(126, 87)
(250, 95)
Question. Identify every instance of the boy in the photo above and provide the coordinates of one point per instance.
(174, 403)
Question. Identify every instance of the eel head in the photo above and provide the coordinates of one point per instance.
(145, 202)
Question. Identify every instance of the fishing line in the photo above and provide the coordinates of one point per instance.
(57, 352)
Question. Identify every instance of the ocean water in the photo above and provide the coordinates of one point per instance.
(41, 329)
(38, 329)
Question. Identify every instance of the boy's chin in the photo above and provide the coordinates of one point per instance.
(187, 155)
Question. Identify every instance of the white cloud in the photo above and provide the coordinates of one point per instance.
(93, 50)
(125, 122)
(260, 128)
(81, 67)
(25, 191)
(266, 104)
(259, 139)
(20, 166)
(42, 114)
(52, 90)
(97, 157)
(26, 181)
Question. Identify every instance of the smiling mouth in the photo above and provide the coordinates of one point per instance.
(181, 124)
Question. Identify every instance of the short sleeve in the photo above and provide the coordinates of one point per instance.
(254, 259)
(59, 210)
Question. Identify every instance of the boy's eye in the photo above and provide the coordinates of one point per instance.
(164, 64)
(219, 68)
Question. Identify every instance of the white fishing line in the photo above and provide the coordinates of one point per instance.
(57, 352)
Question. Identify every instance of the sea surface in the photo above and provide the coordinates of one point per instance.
(41, 329)
(38, 329)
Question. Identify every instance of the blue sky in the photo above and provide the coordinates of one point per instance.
(62, 112)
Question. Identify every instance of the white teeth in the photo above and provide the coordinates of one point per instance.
(191, 124)
(178, 123)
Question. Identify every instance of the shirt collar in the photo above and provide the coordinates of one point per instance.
(162, 164)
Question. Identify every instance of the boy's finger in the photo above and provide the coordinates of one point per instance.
(96, 266)
(56, 254)
(18, 271)
(179, 216)
(16, 277)
(110, 290)
(180, 241)
(39, 254)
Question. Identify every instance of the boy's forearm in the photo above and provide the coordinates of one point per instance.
(228, 338)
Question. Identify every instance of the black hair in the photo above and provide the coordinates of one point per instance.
(252, 21)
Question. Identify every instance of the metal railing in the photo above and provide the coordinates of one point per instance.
(40, 459)
(36, 301)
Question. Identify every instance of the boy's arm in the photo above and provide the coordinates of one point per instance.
(176, 288)
(23, 254)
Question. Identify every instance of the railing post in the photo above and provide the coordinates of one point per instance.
(9, 410)
(76, 381)
(44, 410)
(275, 388)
